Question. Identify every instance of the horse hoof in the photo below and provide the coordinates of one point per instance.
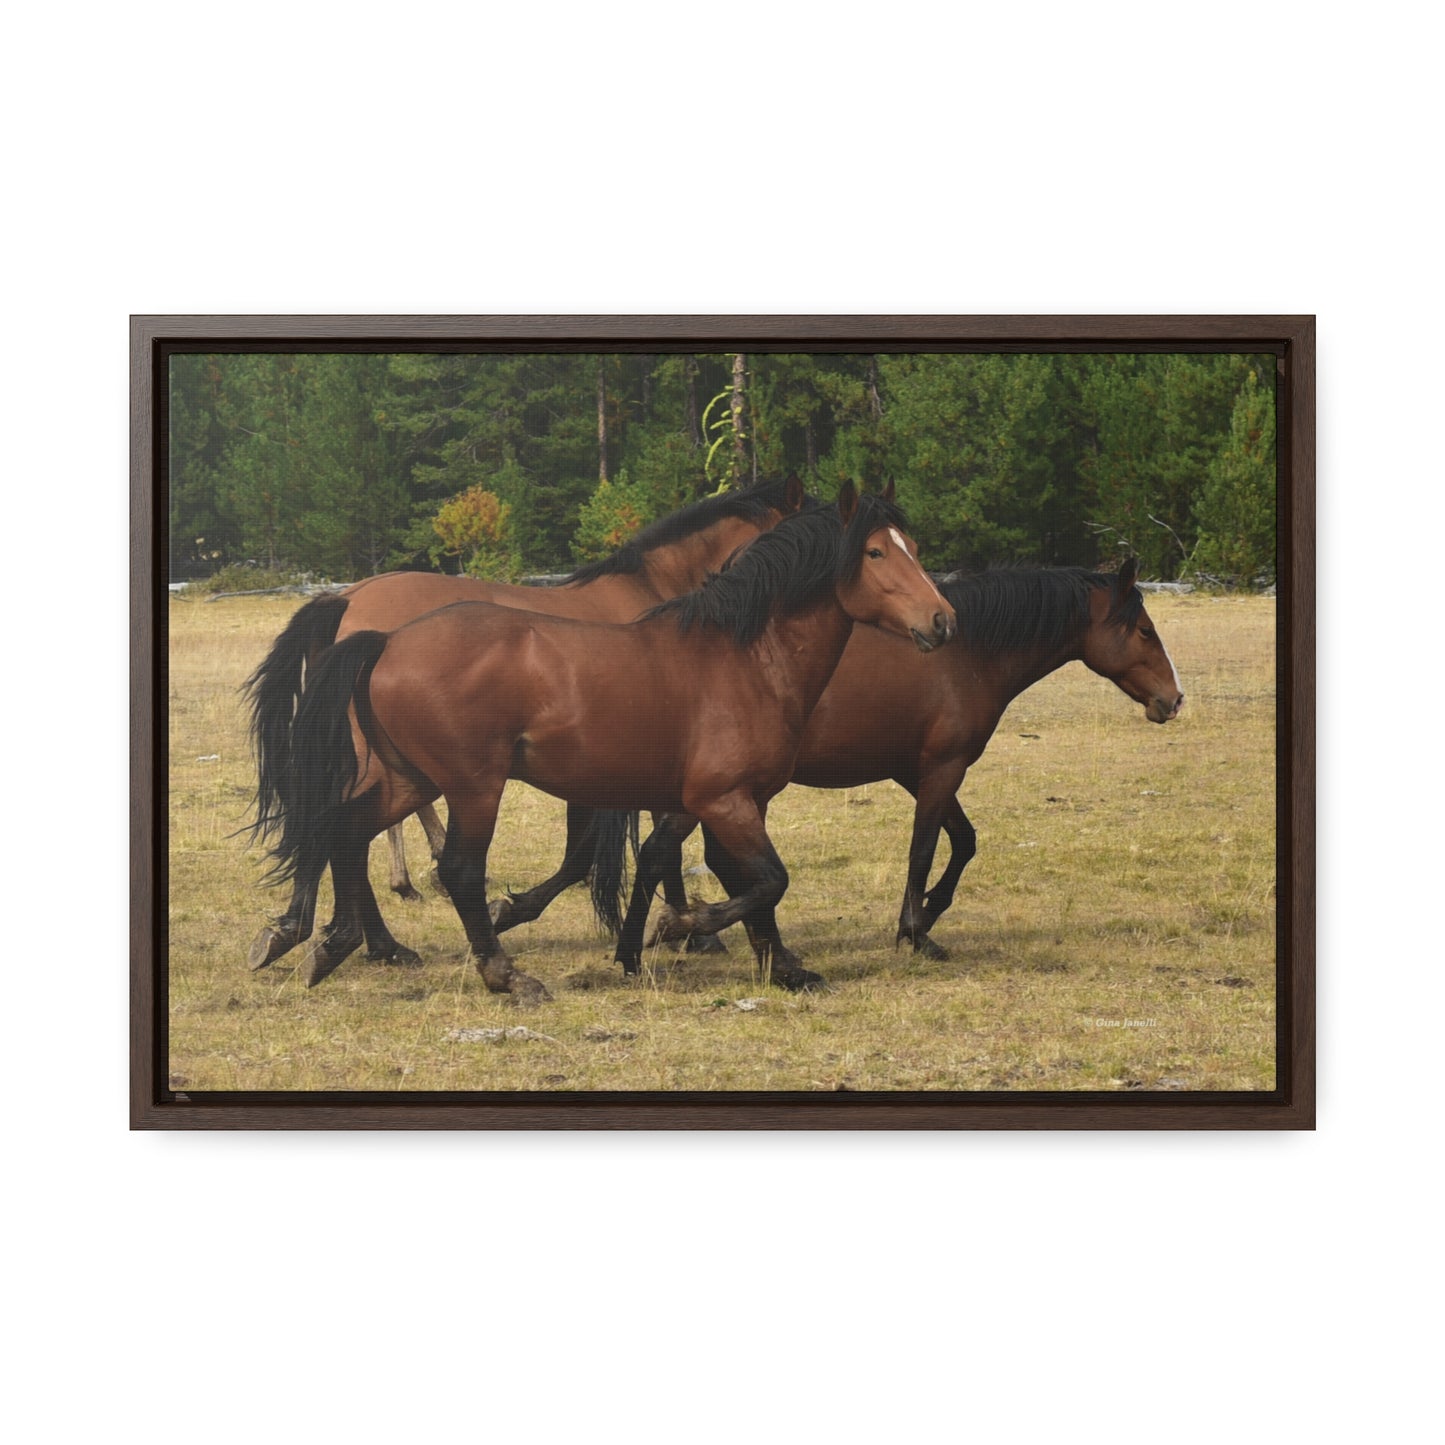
(399, 957)
(323, 965)
(800, 980)
(666, 919)
(925, 946)
(500, 977)
(269, 945)
(502, 912)
(788, 972)
(672, 926)
(328, 953)
(407, 893)
(438, 887)
(705, 943)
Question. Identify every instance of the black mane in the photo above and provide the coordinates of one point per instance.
(751, 504)
(783, 571)
(1028, 606)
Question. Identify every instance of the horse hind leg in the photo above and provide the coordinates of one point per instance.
(516, 908)
(436, 838)
(356, 919)
(293, 927)
(433, 827)
(661, 853)
(343, 935)
(400, 879)
(381, 946)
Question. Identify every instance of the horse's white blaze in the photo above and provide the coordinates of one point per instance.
(903, 546)
(1178, 686)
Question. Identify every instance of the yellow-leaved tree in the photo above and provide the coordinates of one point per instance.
(474, 527)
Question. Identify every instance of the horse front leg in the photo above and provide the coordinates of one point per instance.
(674, 893)
(963, 844)
(471, 821)
(932, 796)
(756, 880)
(775, 959)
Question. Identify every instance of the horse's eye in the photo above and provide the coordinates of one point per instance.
(1148, 634)
(875, 551)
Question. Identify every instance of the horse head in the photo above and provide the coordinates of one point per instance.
(1123, 645)
(880, 579)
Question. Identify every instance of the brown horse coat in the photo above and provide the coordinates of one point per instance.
(668, 712)
(888, 714)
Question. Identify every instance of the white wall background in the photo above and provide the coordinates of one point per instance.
(748, 158)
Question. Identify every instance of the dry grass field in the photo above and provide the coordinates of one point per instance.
(1115, 931)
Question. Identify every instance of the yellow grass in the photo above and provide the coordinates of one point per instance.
(1116, 930)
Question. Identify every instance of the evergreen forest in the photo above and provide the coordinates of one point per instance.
(341, 465)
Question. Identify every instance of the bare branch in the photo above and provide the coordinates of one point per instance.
(1182, 550)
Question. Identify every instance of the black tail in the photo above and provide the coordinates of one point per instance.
(274, 690)
(321, 765)
(611, 832)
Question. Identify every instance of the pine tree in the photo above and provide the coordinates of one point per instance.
(1236, 509)
(1159, 421)
(204, 533)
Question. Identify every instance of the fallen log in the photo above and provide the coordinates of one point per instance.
(306, 589)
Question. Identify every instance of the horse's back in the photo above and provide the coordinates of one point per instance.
(392, 600)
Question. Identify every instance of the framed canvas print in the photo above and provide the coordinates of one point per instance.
(722, 722)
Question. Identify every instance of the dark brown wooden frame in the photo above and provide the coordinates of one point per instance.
(1291, 1105)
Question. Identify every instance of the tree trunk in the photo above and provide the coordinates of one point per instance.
(740, 455)
(601, 422)
(692, 421)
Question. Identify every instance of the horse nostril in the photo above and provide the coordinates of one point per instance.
(940, 626)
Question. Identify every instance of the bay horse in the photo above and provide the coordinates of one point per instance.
(698, 706)
(671, 556)
(931, 724)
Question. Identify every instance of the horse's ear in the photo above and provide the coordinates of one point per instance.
(847, 501)
(1128, 575)
(888, 491)
(792, 494)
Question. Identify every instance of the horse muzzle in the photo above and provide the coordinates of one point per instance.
(1160, 711)
(944, 628)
